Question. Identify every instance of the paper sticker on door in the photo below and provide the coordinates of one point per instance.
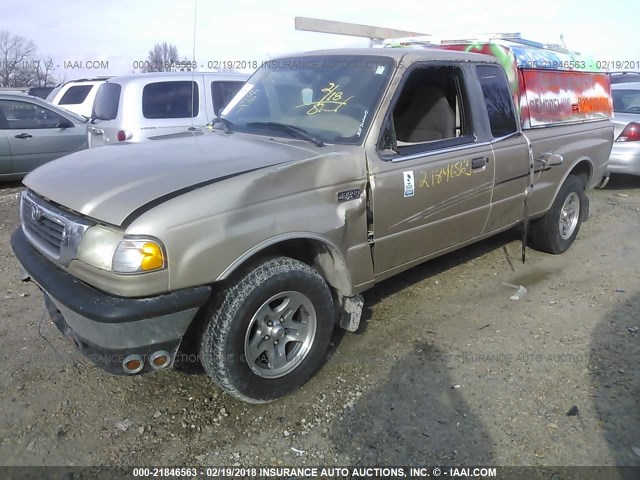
(409, 183)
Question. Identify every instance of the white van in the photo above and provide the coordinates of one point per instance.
(136, 108)
(77, 96)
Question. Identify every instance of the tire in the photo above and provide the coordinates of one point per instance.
(556, 231)
(258, 348)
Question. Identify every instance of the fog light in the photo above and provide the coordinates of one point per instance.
(160, 359)
(133, 363)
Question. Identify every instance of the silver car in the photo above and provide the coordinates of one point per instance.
(136, 108)
(625, 155)
(33, 132)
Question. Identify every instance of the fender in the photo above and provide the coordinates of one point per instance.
(335, 271)
(568, 172)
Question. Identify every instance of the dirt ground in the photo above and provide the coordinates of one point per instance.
(448, 370)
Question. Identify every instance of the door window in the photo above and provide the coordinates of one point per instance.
(178, 99)
(28, 116)
(430, 112)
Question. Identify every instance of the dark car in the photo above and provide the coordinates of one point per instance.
(40, 92)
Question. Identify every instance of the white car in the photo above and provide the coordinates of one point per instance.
(77, 96)
(146, 106)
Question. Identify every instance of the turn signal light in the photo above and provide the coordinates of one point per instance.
(160, 359)
(133, 364)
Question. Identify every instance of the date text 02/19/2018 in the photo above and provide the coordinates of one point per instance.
(583, 64)
(194, 65)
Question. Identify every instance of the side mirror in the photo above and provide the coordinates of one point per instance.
(64, 123)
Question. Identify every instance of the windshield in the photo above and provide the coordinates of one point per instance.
(332, 98)
(105, 105)
(626, 101)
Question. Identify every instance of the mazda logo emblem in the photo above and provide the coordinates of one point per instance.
(36, 213)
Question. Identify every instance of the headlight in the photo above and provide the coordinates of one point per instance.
(108, 250)
(137, 255)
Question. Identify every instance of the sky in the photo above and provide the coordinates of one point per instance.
(121, 32)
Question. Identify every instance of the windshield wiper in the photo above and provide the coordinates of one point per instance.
(227, 124)
(296, 131)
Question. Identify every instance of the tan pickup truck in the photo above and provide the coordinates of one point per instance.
(328, 172)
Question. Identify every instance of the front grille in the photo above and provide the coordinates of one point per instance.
(51, 230)
(48, 231)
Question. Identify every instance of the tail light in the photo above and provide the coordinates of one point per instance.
(631, 133)
(123, 135)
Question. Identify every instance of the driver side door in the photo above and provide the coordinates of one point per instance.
(431, 191)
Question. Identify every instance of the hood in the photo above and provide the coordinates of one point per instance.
(111, 182)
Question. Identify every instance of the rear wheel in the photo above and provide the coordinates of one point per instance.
(270, 331)
(556, 231)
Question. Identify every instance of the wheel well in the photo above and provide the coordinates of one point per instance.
(327, 260)
(315, 253)
(583, 171)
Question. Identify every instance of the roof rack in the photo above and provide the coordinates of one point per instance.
(94, 79)
(376, 35)
(514, 37)
(391, 37)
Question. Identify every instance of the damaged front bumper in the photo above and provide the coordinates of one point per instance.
(112, 331)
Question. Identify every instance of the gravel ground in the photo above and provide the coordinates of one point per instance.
(447, 369)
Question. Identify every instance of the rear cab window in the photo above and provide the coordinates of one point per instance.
(175, 99)
(495, 88)
(75, 95)
(105, 105)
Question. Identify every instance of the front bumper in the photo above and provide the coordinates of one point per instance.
(106, 328)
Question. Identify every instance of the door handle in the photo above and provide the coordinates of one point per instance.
(24, 135)
(549, 159)
(479, 162)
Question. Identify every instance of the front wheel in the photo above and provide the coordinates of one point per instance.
(556, 231)
(270, 331)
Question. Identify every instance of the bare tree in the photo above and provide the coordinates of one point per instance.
(162, 58)
(16, 55)
(43, 75)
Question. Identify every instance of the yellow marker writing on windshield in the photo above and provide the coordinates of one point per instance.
(330, 103)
